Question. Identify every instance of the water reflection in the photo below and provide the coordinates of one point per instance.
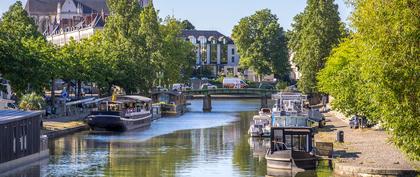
(196, 144)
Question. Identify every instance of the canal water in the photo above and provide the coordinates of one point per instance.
(196, 144)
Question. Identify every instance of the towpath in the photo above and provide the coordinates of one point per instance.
(365, 152)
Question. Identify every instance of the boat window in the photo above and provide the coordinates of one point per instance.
(288, 141)
(278, 135)
(114, 107)
(299, 142)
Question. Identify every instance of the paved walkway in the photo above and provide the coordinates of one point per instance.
(366, 148)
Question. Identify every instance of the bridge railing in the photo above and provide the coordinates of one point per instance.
(228, 91)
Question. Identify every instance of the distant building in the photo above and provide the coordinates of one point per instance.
(214, 51)
(61, 20)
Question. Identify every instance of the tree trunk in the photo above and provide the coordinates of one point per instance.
(68, 87)
(52, 93)
(79, 89)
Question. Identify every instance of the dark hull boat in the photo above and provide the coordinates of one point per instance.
(291, 148)
(289, 159)
(110, 121)
(172, 103)
(121, 113)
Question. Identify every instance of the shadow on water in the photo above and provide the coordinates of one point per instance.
(195, 144)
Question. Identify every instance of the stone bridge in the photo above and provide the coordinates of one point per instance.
(264, 94)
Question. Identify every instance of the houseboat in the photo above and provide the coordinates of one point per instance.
(172, 103)
(121, 113)
(260, 126)
(291, 134)
(291, 148)
(21, 139)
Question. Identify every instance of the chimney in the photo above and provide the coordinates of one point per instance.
(58, 12)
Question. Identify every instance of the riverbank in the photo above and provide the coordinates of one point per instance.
(365, 152)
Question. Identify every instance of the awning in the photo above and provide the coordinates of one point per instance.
(79, 101)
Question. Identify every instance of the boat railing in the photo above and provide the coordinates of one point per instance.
(278, 146)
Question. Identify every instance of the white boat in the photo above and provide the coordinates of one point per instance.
(260, 126)
(291, 103)
(265, 112)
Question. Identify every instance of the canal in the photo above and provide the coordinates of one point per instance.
(195, 144)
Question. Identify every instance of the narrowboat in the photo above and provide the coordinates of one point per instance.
(291, 148)
(172, 103)
(121, 113)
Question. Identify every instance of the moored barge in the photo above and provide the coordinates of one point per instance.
(121, 113)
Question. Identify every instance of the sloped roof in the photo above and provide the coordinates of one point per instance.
(205, 33)
(43, 7)
(7, 116)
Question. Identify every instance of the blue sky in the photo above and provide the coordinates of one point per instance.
(222, 15)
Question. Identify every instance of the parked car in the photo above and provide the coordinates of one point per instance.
(180, 87)
(159, 89)
(267, 86)
(233, 82)
(208, 86)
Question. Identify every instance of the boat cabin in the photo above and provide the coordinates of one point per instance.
(281, 120)
(172, 103)
(289, 102)
(169, 97)
(292, 138)
(20, 138)
(125, 105)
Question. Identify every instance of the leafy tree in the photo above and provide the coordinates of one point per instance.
(178, 54)
(187, 25)
(153, 44)
(376, 71)
(73, 56)
(262, 44)
(23, 51)
(123, 46)
(315, 32)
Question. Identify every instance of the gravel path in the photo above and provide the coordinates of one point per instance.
(363, 147)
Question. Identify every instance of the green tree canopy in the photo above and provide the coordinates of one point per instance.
(315, 32)
(376, 71)
(24, 52)
(262, 44)
(187, 25)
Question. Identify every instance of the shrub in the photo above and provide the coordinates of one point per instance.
(32, 102)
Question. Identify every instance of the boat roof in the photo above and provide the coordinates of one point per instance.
(7, 116)
(295, 129)
(84, 101)
(135, 97)
(261, 117)
(289, 96)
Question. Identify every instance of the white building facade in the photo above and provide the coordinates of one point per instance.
(62, 20)
(214, 51)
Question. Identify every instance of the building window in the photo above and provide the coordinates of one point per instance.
(233, 51)
(233, 59)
